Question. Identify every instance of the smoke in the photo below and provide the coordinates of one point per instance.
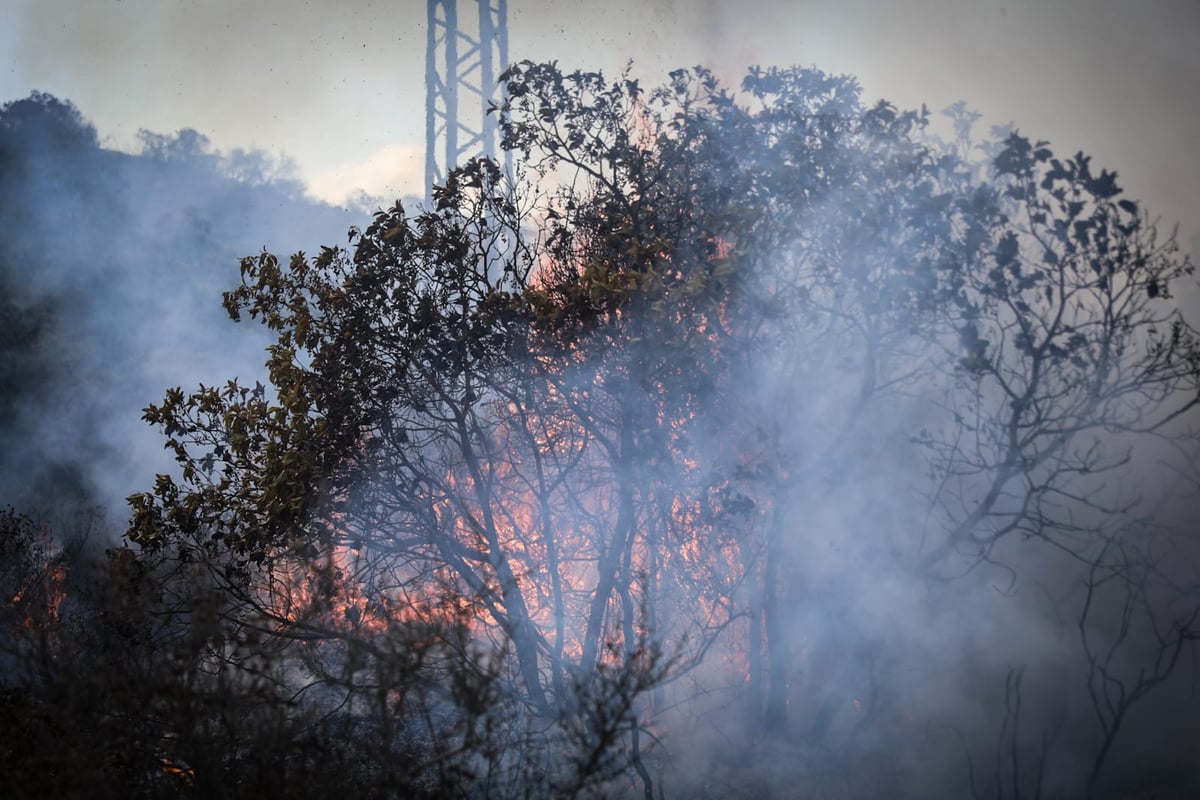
(1017, 650)
(112, 267)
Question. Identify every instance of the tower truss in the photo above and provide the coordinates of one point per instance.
(467, 50)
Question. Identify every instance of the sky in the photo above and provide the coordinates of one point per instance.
(339, 86)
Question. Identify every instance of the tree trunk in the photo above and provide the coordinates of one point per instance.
(776, 717)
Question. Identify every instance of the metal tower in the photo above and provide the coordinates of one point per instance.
(465, 55)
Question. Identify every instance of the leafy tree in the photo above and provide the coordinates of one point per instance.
(698, 407)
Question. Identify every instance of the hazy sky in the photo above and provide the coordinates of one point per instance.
(338, 86)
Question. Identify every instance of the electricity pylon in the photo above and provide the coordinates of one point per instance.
(465, 55)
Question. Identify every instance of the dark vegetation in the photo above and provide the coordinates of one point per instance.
(735, 446)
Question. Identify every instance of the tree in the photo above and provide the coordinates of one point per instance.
(623, 436)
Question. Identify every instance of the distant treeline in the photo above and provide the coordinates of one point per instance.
(112, 267)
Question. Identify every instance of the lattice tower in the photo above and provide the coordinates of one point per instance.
(467, 50)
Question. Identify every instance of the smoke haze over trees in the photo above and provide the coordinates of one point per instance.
(741, 445)
(111, 267)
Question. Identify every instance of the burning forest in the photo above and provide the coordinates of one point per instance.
(737, 444)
